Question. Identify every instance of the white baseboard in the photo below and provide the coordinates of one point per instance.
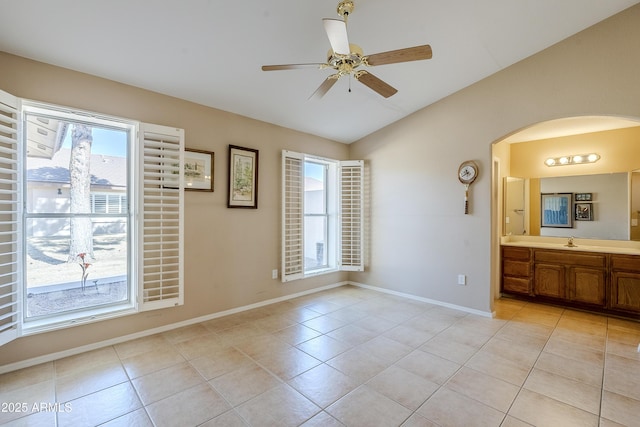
(94, 346)
(427, 300)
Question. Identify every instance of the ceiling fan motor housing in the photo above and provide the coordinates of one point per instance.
(345, 8)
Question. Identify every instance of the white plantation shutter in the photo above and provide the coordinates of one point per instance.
(162, 203)
(10, 246)
(351, 249)
(292, 216)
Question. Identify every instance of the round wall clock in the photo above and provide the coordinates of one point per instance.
(467, 173)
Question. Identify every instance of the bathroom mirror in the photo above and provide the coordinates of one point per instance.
(613, 204)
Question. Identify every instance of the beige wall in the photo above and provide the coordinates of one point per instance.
(619, 151)
(421, 239)
(229, 253)
(635, 206)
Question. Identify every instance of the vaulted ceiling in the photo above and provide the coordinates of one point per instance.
(211, 51)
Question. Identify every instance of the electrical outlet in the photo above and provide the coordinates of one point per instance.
(274, 274)
(462, 279)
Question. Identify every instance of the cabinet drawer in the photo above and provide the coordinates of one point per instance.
(516, 285)
(516, 268)
(513, 252)
(571, 258)
(625, 262)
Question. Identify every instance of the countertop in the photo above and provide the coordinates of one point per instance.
(581, 245)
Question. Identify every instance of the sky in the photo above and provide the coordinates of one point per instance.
(105, 141)
(314, 170)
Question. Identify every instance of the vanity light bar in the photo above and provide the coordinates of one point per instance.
(573, 159)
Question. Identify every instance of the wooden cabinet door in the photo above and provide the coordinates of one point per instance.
(549, 280)
(587, 285)
(625, 291)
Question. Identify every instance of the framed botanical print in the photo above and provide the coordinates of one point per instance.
(243, 178)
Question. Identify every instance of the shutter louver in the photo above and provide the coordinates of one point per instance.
(292, 216)
(351, 215)
(161, 276)
(10, 246)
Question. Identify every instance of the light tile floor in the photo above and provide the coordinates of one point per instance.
(354, 357)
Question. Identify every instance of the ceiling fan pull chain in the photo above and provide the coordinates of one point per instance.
(349, 83)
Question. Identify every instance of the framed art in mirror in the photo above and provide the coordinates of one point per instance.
(583, 197)
(584, 212)
(556, 210)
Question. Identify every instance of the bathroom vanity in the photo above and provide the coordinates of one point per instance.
(600, 277)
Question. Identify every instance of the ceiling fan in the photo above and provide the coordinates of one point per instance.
(345, 57)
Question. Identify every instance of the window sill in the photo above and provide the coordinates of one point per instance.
(320, 271)
(63, 321)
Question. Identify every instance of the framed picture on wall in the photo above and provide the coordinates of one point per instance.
(243, 178)
(198, 170)
(583, 197)
(555, 210)
(584, 212)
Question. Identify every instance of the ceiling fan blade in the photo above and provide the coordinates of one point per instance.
(375, 84)
(291, 67)
(337, 34)
(325, 86)
(401, 55)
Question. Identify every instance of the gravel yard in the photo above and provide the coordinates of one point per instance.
(47, 260)
(54, 285)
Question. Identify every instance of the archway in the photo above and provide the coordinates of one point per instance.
(553, 138)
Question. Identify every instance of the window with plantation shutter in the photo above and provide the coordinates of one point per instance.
(162, 198)
(322, 215)
(123, 217)
(9, 219)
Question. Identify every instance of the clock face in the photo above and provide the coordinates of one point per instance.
(467, 172)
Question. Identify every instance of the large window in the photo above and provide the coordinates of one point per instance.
(76, 256)
(322, 215)
(90, 217)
